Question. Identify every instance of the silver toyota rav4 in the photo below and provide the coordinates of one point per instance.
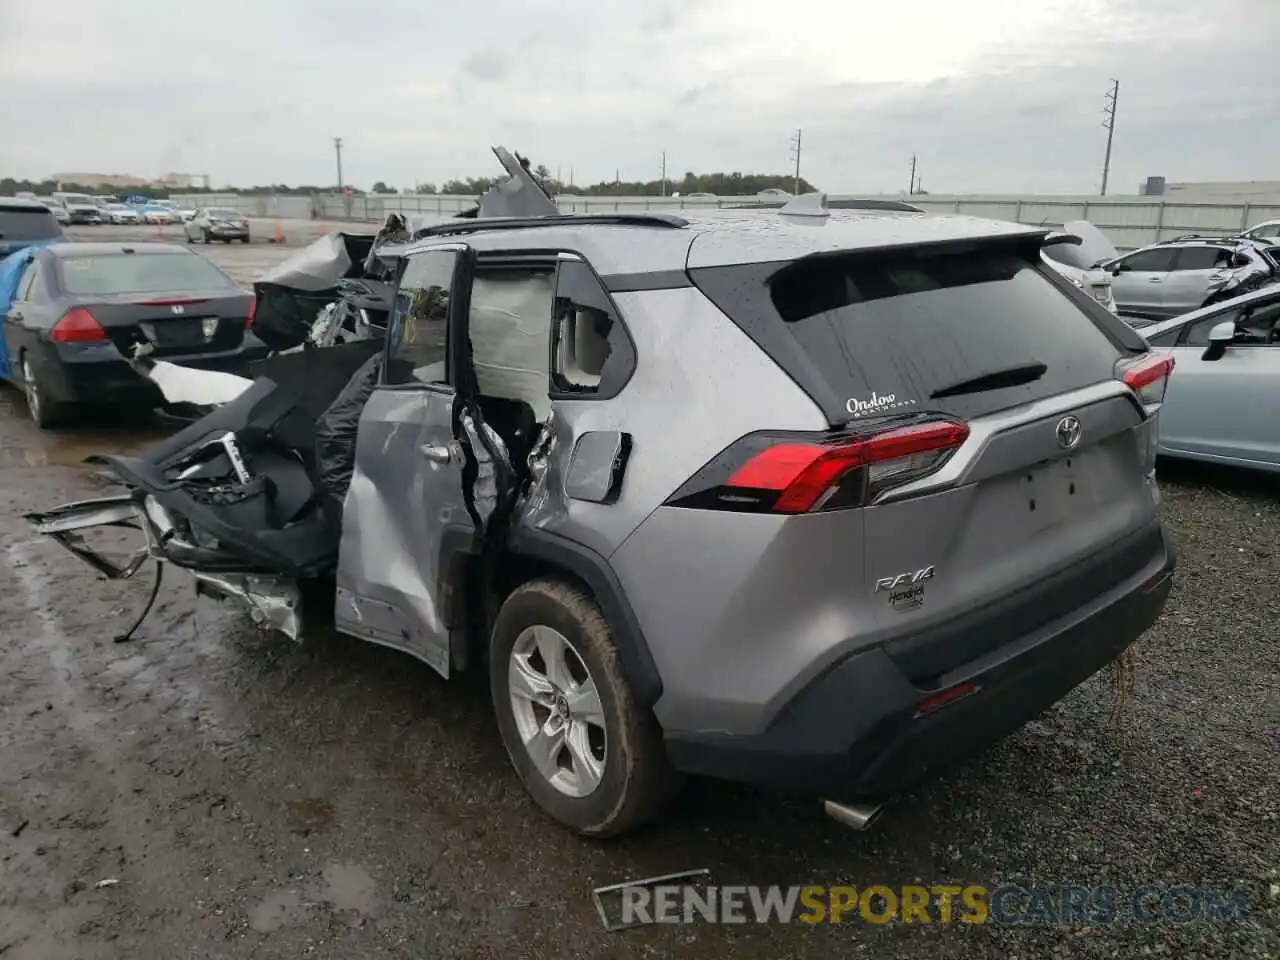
(799, 497)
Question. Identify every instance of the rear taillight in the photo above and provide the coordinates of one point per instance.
(253, 308)
(771, 474)
(1148, 376)
(77, 325)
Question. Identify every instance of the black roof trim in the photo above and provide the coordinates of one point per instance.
(569, 219)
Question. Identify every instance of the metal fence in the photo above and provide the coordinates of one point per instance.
(1127, 221)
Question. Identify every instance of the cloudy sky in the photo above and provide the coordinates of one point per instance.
(993, 95)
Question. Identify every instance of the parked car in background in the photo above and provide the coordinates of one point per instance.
(56, 208)
(24, 226)
(1223, 400)
(1267, 232)
(81, 208)
(122, 213)
(1171, 278)
(153, 213)
(217, 223)
(80, 309)
(26, 222)
(1080, 262)
(186, 214)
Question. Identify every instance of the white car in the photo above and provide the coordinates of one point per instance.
(186, 215)
(1267, 232)
(1079, 262)
(121, 213)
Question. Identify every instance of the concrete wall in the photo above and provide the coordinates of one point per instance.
(1128, 221)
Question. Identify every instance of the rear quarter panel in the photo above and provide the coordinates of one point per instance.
(699, 384)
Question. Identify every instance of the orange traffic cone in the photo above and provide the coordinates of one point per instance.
(160, 229)
(279, 234)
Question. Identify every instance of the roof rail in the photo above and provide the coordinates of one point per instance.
(479, 224)
(899, 206)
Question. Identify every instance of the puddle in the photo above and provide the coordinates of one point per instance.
(343, 890)
(72, 449)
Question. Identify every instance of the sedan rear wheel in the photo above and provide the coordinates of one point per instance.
(45, 412)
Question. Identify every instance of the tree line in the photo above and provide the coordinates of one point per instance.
(720, 184)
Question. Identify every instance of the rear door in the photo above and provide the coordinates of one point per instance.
(406, 498)
(1225, 406)
(1138, 283)
(1186, 286)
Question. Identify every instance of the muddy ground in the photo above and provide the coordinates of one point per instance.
(205, 791)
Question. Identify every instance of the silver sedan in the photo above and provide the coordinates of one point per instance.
(216, 223)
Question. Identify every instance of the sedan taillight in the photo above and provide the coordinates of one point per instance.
(77, 325)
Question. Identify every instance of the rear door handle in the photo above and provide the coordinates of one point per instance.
(437, 453)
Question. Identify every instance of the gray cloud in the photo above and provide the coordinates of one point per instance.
(993, 95)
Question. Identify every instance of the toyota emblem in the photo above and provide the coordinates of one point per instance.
(177, 308)
(1068, 431)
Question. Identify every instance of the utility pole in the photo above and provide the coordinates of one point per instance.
(1112, 98)
(912, 189)
(664, 173)
(795, 155)
(337, 149)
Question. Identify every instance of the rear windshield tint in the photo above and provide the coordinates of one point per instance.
(23, 223)
(882, 334)
(122, 273)
(1069, 255)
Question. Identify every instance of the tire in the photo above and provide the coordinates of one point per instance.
(245, 238)
(45, 413)
(190, 238)
(207, 237)
(627, 779)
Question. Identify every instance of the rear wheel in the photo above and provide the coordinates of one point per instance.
(245, 238)
(45, 412)
(588, 754)
(207, 237)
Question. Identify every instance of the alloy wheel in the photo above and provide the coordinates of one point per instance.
(557, 711)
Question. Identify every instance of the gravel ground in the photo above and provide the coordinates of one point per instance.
(256, 798)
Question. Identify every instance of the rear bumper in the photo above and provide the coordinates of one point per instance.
(77, 373)
(854, 732)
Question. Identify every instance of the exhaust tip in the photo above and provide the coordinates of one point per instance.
(857, 816)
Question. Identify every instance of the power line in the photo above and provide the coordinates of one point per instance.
(795, 155)
(1109, 111)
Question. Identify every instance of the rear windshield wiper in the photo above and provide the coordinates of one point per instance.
(996, 380)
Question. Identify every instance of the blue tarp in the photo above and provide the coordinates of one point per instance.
(10, 270)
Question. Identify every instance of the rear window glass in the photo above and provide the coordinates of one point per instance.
(1068, 254)
(22, 223)
(895, 334)
(223, 212)
(140, 273)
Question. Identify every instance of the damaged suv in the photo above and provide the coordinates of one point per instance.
(795, 497)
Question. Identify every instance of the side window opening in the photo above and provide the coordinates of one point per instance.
(592, 355)
(510, 331)
(419, 331)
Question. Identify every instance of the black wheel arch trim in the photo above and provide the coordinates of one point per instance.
(580, 561)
